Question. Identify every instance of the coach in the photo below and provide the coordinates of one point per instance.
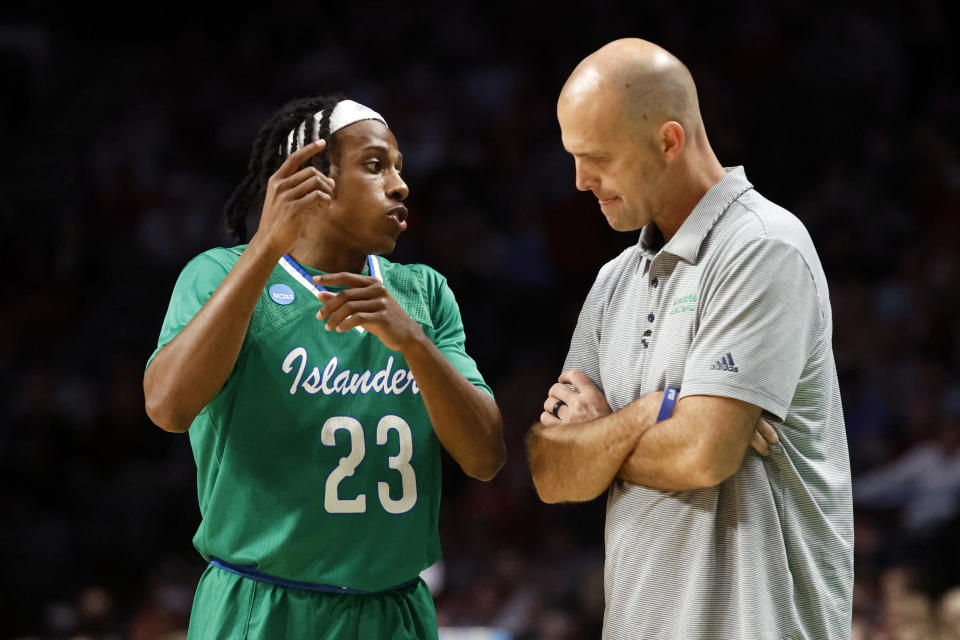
(691, 345)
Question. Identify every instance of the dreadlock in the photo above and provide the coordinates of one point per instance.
(270, 150)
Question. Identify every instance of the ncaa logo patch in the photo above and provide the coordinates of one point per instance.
(282, 294)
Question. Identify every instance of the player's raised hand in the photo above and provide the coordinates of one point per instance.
(292, 195)
(366, 303)
(583, 403)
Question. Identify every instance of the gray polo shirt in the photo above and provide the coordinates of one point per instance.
(734, 305)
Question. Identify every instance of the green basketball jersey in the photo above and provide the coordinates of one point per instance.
(316, 461)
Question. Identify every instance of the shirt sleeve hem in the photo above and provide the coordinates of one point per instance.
(747, 394)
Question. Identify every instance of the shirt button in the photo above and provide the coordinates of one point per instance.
(650, 317)
(654, 282)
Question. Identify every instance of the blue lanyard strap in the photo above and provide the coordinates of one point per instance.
(250, 572)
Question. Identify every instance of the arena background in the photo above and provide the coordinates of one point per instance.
(125, 130)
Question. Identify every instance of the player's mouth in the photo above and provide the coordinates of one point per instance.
(399, 214)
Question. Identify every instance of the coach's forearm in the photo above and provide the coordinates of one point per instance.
(701, 445)
(466, 419)
(189, 370)
(577, 462)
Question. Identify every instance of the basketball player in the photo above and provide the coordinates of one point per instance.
(318, 383)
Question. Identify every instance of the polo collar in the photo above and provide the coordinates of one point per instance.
(685, 243)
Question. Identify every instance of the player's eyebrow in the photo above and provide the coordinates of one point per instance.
(378, 146)
(384, 149)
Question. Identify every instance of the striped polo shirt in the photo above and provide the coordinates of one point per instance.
(734, 305)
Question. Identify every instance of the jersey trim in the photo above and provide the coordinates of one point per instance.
(300, 274)
(248, 571)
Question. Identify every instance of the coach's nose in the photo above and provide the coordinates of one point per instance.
(585, 178)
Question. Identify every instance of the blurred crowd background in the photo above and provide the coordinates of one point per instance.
(124, 132)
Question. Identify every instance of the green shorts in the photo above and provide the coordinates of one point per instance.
(228, 605)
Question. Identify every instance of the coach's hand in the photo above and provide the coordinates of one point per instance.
(368, 304)
(587, 402)
(763, 436)
(583, 404)
(293, 195)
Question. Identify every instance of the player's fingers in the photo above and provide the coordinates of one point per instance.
(317, 182)
(298, 158)
(346, 310)
(360, 319)
(548, 419)
(333, 302)
(279, 187)
(768, 433)
(563, 392)
(345, 279)
(758, 443)
(310, 192)
(293, 181)
(293, 187)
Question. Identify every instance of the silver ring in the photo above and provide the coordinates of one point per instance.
(556, 409)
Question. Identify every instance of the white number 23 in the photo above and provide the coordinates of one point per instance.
(332, 501)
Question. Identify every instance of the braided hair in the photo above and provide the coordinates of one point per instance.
(270, 149)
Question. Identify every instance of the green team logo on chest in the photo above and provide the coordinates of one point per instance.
(684, 304)
(344, 382)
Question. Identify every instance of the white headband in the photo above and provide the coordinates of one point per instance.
(346, 112)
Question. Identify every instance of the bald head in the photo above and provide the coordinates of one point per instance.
(637, 80)
(629, 116)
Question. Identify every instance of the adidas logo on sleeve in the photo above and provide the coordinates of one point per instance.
(725, 364)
